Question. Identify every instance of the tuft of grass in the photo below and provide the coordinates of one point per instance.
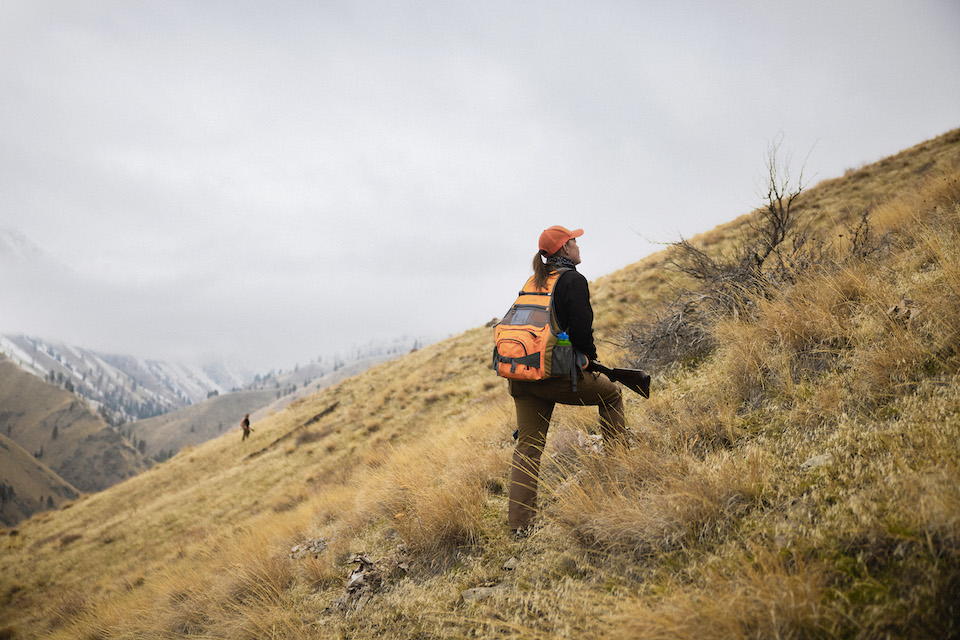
(435, 496)
(643, 502)
(770, 596)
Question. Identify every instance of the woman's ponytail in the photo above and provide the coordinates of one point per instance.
(541, 271)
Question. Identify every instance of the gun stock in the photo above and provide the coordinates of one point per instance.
(633, 379)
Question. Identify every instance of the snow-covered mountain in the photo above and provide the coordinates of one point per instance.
(123, 388)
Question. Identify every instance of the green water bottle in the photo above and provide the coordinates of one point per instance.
(563, 338)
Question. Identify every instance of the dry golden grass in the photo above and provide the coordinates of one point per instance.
(771, 596)
(640, 502)
(803, 481)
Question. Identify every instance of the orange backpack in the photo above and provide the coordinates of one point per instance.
(526, 340)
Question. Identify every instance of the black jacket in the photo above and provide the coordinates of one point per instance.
(571, 304)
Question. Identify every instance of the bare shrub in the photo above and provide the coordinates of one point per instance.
(863, 239)
(774, 252)
(679, 333)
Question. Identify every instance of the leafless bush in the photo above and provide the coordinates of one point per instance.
(773, 252)
(678, 333)
(864, 242)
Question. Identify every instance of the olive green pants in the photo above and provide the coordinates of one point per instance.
(535, 402)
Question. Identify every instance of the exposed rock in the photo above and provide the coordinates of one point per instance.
(592, 442)
(903, 312)
(369, 578)
(816, 462)
(478, 594)
(313, 547)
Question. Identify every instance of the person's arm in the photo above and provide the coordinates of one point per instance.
(574, 313)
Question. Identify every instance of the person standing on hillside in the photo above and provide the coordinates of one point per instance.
(535, 399)
(245, 425)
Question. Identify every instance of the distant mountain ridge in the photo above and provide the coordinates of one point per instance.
(54, 445)
(122, 388)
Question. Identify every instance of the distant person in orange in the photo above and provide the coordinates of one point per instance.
(245, 425)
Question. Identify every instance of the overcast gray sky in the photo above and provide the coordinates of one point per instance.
(279, 180)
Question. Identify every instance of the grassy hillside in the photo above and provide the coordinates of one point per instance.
(802, 480)
(29, 485)
(63, 432)
(165, 435)
(198, 423)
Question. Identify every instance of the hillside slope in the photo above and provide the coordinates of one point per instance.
(62, 432)
(803, 480)
(165, 435)
(30, 486)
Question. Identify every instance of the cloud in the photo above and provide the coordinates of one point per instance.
(225, 177)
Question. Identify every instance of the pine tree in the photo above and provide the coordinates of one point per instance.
(6, 493)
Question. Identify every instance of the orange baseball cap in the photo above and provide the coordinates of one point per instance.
(552, 239)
